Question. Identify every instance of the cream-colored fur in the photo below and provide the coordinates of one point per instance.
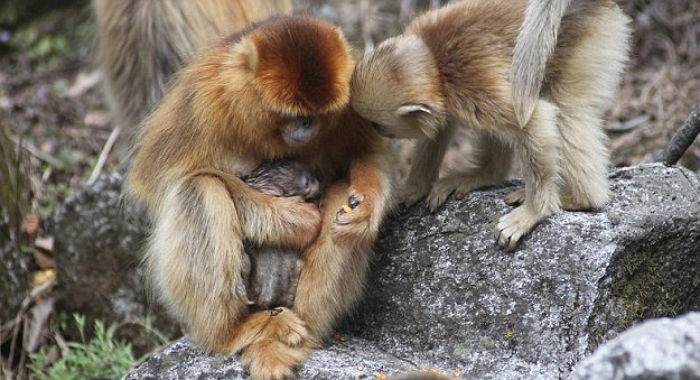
(533, 49)
(451, 68)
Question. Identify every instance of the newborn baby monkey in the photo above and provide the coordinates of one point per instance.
(274, 271)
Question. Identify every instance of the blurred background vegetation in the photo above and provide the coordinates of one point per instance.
(55, 128)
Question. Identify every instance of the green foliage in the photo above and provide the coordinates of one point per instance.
(102, 356)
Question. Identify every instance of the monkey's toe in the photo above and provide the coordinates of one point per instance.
(439, 193)
(516, 197)
(272, 360)
(513, 226)
(412, 194)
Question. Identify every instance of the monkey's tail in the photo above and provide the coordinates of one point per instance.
(194, 259)
(533, 48)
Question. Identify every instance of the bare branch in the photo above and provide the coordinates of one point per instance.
(682, 139)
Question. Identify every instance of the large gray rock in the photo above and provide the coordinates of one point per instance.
(442, 295)
(354, 359)
(663, 349)
(97, 251)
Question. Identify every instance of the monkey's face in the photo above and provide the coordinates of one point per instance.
(396, 88)
(299, 130)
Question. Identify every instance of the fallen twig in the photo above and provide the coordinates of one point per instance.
(682, 139)
(103, 155)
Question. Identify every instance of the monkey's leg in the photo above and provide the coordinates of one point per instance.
(538, 150)
(332, 278)
(194, 260)
(330, 283)
(493, 160)
(582, 94)
(427, 155)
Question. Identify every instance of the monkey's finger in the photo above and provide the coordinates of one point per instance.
(339, 216)
(354, 201)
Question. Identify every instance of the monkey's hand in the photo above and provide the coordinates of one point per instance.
(302, 217)
(413, 191)
(352, 221)
(515, 225)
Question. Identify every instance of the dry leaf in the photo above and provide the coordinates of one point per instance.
(43, 260)
(44, 243)
(38, 325)
(360, 367)
(339, 337)
(43, 276)
(30, 224)
(380, 375)
(96, 119)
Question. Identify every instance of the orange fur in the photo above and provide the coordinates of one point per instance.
(220, 120)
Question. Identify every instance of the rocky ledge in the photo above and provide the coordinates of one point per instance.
(442, 295)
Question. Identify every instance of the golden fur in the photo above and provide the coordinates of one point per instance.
(142, 43)
(452, 67)
(220, 120)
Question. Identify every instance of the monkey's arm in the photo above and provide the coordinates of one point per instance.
(533, 48)
(268, 220)
(427, 157)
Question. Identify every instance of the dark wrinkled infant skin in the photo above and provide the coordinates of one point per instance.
(273, 271)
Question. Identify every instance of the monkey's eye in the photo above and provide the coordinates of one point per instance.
(376, 126)
(305, 122)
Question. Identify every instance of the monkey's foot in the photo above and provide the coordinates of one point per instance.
(412, 193)
(272, 360)
(440, 192)
(516, 197)
(458, 184)
(515, 225)
(352, 220)
(280, 342)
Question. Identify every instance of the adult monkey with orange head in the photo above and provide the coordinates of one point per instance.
(227, 112)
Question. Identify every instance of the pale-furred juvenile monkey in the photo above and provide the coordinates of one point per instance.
(274, 272)
(452, 67)
(533, 48)
(223, 116)
(142, 43)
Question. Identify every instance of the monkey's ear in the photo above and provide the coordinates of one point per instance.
(245, 55)
(409, 108)
(428, 120)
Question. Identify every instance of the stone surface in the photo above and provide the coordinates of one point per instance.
(442, 295)
(99, 238)
(662, 349)
(354, 359)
